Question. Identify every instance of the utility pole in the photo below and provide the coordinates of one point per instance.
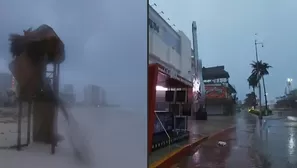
(259, 84)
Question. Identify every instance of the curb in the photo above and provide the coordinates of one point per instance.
(254, 115)
(172, 157)
(257, 117)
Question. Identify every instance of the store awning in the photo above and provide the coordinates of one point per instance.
(164, 79)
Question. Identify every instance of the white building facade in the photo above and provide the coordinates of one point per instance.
(94, 95)
(169, 48)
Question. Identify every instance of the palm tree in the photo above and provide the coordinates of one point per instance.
(253, 81)
(250, 99)
(260, 69)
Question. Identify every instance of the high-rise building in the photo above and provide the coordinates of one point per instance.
(102, 96)
(68, 88)
(5, 85)
(5, 82)
(94, 95)
(68, 94)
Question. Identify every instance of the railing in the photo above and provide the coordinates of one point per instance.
(163, 51)
(169, 138)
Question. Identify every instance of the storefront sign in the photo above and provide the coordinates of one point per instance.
(168, 35)
(215, 91)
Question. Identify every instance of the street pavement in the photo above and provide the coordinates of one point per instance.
(197, 129)
(271, 144)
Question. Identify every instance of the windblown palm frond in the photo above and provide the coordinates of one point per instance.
(37, 43)
(260, 68)
(253, 80)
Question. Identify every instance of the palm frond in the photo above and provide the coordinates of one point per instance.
(253, 80)
(261, 68)
(37, 43)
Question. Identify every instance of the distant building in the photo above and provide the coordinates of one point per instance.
(68, 94)
(68, 88)
(5, 85)
(5, 82)
(102, 97)
(94, 95)
(220, 94)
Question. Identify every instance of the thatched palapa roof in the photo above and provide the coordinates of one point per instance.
(38, 43)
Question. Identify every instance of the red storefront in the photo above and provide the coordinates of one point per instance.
(158, 79)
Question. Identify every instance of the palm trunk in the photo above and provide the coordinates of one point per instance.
(265, 95)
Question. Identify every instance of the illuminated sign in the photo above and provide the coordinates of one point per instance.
(196, 89)
(196, 85)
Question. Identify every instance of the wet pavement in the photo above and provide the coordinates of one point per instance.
(249, 145)
(197, 129)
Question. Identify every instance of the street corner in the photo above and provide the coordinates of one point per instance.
(172, 157)
(219, 151)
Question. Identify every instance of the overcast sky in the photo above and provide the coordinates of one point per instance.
(226, 36)
(102, 46)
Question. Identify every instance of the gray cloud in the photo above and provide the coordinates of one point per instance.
(105, 42)
(105, 45)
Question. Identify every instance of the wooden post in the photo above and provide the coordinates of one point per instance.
(53, 144)
(20, 108)
(56, 73)
(29, 123)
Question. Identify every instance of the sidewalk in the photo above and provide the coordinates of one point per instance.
(233, 155)
(236, 152)
(198, 130)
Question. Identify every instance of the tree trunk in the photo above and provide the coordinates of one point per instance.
(265, 95)
(43, 120)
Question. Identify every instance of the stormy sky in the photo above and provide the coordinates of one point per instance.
(104, 45)
(226, 34)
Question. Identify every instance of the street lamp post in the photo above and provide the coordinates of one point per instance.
(259, 85)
